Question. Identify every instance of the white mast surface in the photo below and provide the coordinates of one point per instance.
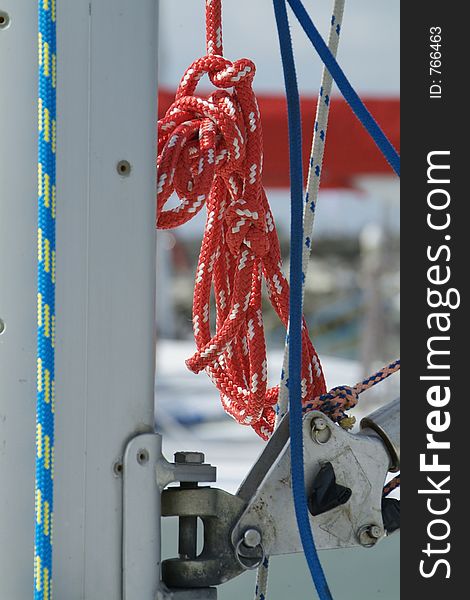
(107, 112)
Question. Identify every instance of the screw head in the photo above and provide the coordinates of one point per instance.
(142, 456)
(4, 20)
(196, 458)
(124, 168)
(252, 538)
(118, 468)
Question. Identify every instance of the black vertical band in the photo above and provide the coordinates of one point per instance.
(435, 327)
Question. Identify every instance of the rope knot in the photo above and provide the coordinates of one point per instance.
(246, 224)
(335, 403)
(345, 395)
(233, 74)
(338, 400)
(199, 138)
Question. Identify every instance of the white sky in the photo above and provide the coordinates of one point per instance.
(369, 48)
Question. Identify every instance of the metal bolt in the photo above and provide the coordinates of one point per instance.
(187, 536)
(124, 168)
(369, 535)
(319, 424)
(252, 538)
(196, 458)
(320, 431)
(4, 20)
(142, 456)
(376, 531)
(2, 326)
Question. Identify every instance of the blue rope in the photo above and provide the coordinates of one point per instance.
(350, 95)
(295, 302)
(46, 300)
(295, 306)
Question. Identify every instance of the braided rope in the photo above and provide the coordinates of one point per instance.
(393, 484)
(214, 27)
(343, 397)
(313, 186)
(313, 180)
(261, 586)
(210, 152)
(45, 301)
(295, 308)
(337, 401)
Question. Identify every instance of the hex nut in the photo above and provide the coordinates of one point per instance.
(197, 458)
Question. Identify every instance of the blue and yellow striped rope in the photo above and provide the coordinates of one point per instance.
(46, 300)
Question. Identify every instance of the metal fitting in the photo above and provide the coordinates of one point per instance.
(186, 458)
(124, 168)
(118, 468)
(143, 456)
(252, 538)
(385, 423)
(319, 424)
(4, 20)
(249, 551)
(320, 431)
(369, 535)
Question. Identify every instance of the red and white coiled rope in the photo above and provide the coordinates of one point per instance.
(210, 151)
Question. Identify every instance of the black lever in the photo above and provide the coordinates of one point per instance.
(326, 494)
